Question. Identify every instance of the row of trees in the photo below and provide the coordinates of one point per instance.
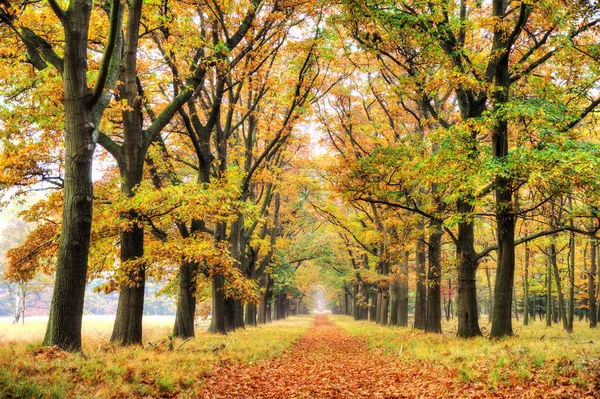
(466, 131)
(453, 132)
(193, 106)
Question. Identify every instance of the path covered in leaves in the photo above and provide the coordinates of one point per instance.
(329, 363)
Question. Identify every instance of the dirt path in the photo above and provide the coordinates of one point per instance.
(329, 363)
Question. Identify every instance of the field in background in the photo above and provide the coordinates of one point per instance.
(535, 355)
(160, 368)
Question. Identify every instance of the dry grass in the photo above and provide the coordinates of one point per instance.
(536, 354)
(28, 370)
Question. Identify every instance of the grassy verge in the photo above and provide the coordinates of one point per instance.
(535, 355)
(28, 370)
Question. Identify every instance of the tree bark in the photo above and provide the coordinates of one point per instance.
(561, 301)
(66, 308)
(592, 285)
(394, 288)
(217, 322)
(526, 288)
(186, 301)
(421, 292)
(434, 278)
(468, 319)
(403, 292)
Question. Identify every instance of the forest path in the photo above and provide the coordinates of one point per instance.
(327, 362)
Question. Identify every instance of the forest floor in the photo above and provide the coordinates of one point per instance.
(304, 357)
(328, 362)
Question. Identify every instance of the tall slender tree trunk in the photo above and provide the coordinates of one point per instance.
(561, 301)
(421, 292)
(549, 300)
(526, 287)
(403, 292)
(571, 272)
(394, 288)
(592, 285)
(490, 293)
(434, 287)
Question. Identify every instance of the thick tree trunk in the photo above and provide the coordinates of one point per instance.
(66, 308)
(127, 329)
(505, 272)
(217, 322)
(186, 301)
(230, 314)
(130, 309)
(434, 278)
(468, 322)
(403, 292)
(421, 292)
(250, 314)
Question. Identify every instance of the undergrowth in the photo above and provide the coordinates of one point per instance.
(154, 370)
(536, 354)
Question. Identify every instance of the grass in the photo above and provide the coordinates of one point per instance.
(535, 354)
(30, 371)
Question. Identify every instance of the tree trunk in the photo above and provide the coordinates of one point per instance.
(394, 302)
(230, 314)
(526, 288)
(186, 301)
(373, 306)
(421, 292)
(127, 329)
(385, 307)
(378, 304)
(468, 322)
(592, 285)
(549, 300)
(66, 308)
(130, 309)
(491, 294)
(403, 292)
(571, 273)
(217, 322)
(250, 314)
(561, 301)
(434, 278)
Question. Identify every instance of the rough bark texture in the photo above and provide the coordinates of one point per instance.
(468, 318)
(394, 303)
(130, 309)
(217, 322)
(561, 300)
(421, 292)
(526, 288)
(186, 301)
(592, 285)
(127, 329)
(403, 292)
(434, 287)
(66, 309)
